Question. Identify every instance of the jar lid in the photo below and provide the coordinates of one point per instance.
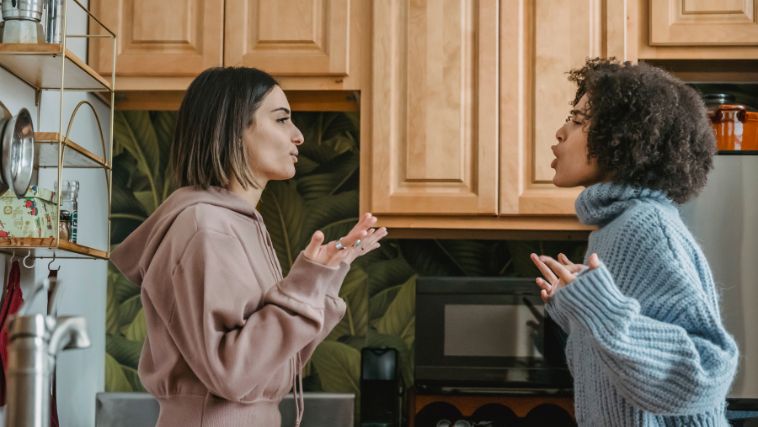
(718, 98)
(65, 215)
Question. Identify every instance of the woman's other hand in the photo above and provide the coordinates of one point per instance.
(558, 274)
(362, 239)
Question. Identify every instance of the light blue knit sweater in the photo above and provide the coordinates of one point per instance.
(646, 345)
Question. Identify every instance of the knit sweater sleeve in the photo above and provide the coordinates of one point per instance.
(230, 350)
(680, 367)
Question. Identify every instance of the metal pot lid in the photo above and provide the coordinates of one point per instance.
(17, 160)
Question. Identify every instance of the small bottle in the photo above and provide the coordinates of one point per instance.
(69, 203)
(64, 225)
(75, 210)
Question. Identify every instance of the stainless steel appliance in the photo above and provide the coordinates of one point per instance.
(54, 22)
(22, 21)
(35, 340)
(724, 219)
(474, 334)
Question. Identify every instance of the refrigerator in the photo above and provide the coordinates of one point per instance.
(724, 220)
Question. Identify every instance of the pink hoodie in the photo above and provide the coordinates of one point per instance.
(226, 334)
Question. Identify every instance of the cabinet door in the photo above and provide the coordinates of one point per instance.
(434, 108)
(167, 38)
(289, 38)
(703, 23)
(540, 43)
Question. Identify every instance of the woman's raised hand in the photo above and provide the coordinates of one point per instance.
(362, 239)
(559, 274)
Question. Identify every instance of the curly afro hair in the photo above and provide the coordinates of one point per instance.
(647, 128)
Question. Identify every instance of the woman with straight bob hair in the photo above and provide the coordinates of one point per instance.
(227, 335)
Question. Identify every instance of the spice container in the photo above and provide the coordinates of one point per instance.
(64, 226)
(69, 203)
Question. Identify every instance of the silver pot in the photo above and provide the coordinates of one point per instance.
(29, 10)
(17, 154)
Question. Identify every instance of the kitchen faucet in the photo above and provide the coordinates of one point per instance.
(35, 340)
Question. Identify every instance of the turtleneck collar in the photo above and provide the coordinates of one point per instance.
(600, 203)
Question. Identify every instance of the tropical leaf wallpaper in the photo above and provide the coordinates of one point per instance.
(379, 289)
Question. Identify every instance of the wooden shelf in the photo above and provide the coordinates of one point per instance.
(39, 65)
(44, 248)
(74, 155)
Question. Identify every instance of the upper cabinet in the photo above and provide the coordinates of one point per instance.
(434, 85)
(466, 98)
(162, 46)
(289, 38)
(540, 43)
(168, 38)
(459, 99)
(698, 29)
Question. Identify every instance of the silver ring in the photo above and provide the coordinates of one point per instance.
(357, 243)
(339, 245)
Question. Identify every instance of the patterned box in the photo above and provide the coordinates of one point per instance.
(30, 216)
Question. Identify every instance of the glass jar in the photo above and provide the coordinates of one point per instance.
(714, 100)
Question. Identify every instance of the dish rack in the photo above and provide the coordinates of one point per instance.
(53, 67)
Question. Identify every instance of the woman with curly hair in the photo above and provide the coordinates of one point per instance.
(646, 344)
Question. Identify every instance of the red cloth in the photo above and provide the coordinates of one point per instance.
(12, 300)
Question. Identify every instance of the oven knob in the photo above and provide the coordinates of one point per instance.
(444, 423)
(462, 423)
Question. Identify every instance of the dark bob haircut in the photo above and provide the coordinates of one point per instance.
(647, 128)
(219, 105)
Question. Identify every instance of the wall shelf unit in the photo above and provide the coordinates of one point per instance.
(54, 67)
(49, 248)
(39, 65)
(48, 147)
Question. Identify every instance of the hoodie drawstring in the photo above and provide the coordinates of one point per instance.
(297, 389)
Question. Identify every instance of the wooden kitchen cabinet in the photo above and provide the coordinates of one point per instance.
(466, 99)
(289, 38)
(306, 44)
(540, 43)
(434, 122)
(159, 40)
(698, 29)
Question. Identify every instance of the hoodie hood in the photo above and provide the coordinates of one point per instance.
(134, 255)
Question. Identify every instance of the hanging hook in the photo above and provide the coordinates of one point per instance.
(50, 264)
(34, 260)
(13, 256)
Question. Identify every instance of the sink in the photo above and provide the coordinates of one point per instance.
(141, 410)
